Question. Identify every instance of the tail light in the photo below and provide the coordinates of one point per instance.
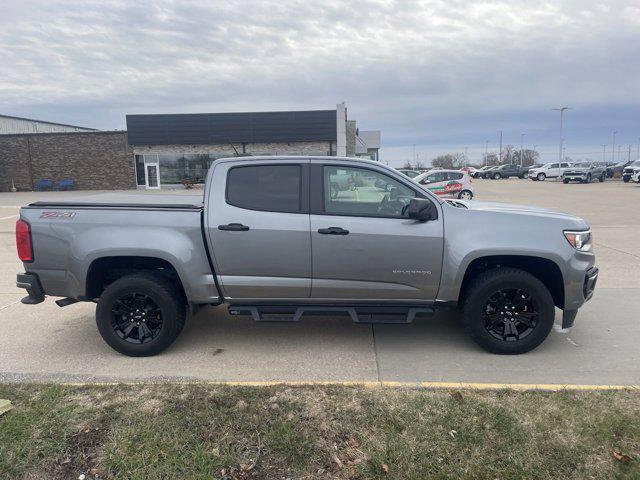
(23, 241)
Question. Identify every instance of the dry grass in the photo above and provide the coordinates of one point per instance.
(205, 431)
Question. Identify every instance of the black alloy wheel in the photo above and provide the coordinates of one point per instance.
(510, 314)
(136, 318)
(141, 314)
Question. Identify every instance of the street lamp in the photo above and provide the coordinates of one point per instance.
(613, 147)
(604, 151)
(561, 110)
(521, 144)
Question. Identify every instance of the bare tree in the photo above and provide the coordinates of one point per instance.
(407, 165)
(449, 160)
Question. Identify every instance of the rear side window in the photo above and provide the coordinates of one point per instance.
(271, 188)
(455, 175)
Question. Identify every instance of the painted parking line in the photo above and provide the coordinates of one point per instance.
(10, 216)
(522, 387)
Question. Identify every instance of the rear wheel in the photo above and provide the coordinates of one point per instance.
(602, 177)
(626, 179)
(541, 177)
(497, 176)
(565, 180)
(465, 195)
(140, 314)
(588, 180)
(508, 311)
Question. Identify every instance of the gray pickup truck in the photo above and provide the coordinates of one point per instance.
(271, 240)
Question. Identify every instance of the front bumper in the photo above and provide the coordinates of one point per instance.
(31, 283)
(588, 286)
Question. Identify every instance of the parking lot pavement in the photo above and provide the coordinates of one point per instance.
(44, 342)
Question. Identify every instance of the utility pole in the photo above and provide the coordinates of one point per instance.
(521, 145)
(619, 147)
(500, 157)
(561, 110)
(613, 147)
(604, 151)
(486, 151)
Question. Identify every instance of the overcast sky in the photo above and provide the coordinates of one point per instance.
(443, 75)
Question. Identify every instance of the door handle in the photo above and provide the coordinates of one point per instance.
(234, 227)
(333, 231)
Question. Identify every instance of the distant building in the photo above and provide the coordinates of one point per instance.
(16, 125)
(368, 144)
(163, 150)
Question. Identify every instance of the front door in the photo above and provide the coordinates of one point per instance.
(364, 245)
(152, 175)
(258, 227)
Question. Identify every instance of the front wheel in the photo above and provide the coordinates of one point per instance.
(541, 177)
(508, 311)
(565, 180)
(602, 177)
(141, 314)
(465, 195)
(497, 176)
(588, 180)
(626, 179)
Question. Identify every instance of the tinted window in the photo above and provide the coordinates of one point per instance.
(273, 188)
(434, 177)
(362, 192)
(553, 165)
(454, 176)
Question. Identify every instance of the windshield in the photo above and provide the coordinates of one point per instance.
(635, 164)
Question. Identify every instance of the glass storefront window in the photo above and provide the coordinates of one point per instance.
(140, 170)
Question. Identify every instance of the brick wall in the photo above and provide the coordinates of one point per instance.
(94, 160)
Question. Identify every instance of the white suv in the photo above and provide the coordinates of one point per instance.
(447, 183)
(548, 170)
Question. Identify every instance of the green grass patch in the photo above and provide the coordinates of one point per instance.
(206, 431)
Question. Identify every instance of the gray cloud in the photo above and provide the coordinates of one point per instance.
(447, 73)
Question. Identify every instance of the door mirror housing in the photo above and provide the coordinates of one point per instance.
(422, 210)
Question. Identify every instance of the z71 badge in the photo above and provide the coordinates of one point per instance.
(60, 215)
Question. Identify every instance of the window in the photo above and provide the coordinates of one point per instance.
(362, 192)
(434, 177)
(271, 188)
(139, 170)
(553, 165)
(454, 175)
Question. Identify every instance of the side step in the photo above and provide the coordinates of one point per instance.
(359, 314)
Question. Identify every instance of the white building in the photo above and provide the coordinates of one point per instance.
(16, 125)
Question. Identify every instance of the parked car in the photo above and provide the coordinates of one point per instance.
(628, 171)
(469, 170)
(268, 241)
(478, 173)
(548, 170)
(636, 175)
(506, 171)
(447, 183)
(584, 172)
(409, 173)
(488, 173)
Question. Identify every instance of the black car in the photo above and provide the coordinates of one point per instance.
(506, 171)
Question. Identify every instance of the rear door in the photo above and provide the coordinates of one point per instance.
(258, 228)
(365, 248)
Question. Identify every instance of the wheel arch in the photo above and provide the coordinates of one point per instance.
(544, 269)
(105, 270)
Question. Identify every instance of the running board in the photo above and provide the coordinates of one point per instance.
(359, 314)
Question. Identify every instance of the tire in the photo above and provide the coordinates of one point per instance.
(479, 297)
(522, 176)
(161, 293)
(497, 176)
(588, 180)
(565, 180)
(465, 195)
(541, 177)
(602, 177)
(626, 179)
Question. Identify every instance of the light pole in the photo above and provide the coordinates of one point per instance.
(521, 145)
(604, 151)
(619, 147)
(486, 151)
(500, 157)
(613, 147)
(561, 110)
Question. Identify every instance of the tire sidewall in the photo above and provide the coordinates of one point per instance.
(541, 177)
(170, 310)
(463, 191)
(478, 298)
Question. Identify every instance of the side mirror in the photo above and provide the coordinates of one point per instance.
(422, 210)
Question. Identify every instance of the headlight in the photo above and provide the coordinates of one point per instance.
(579, 240)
